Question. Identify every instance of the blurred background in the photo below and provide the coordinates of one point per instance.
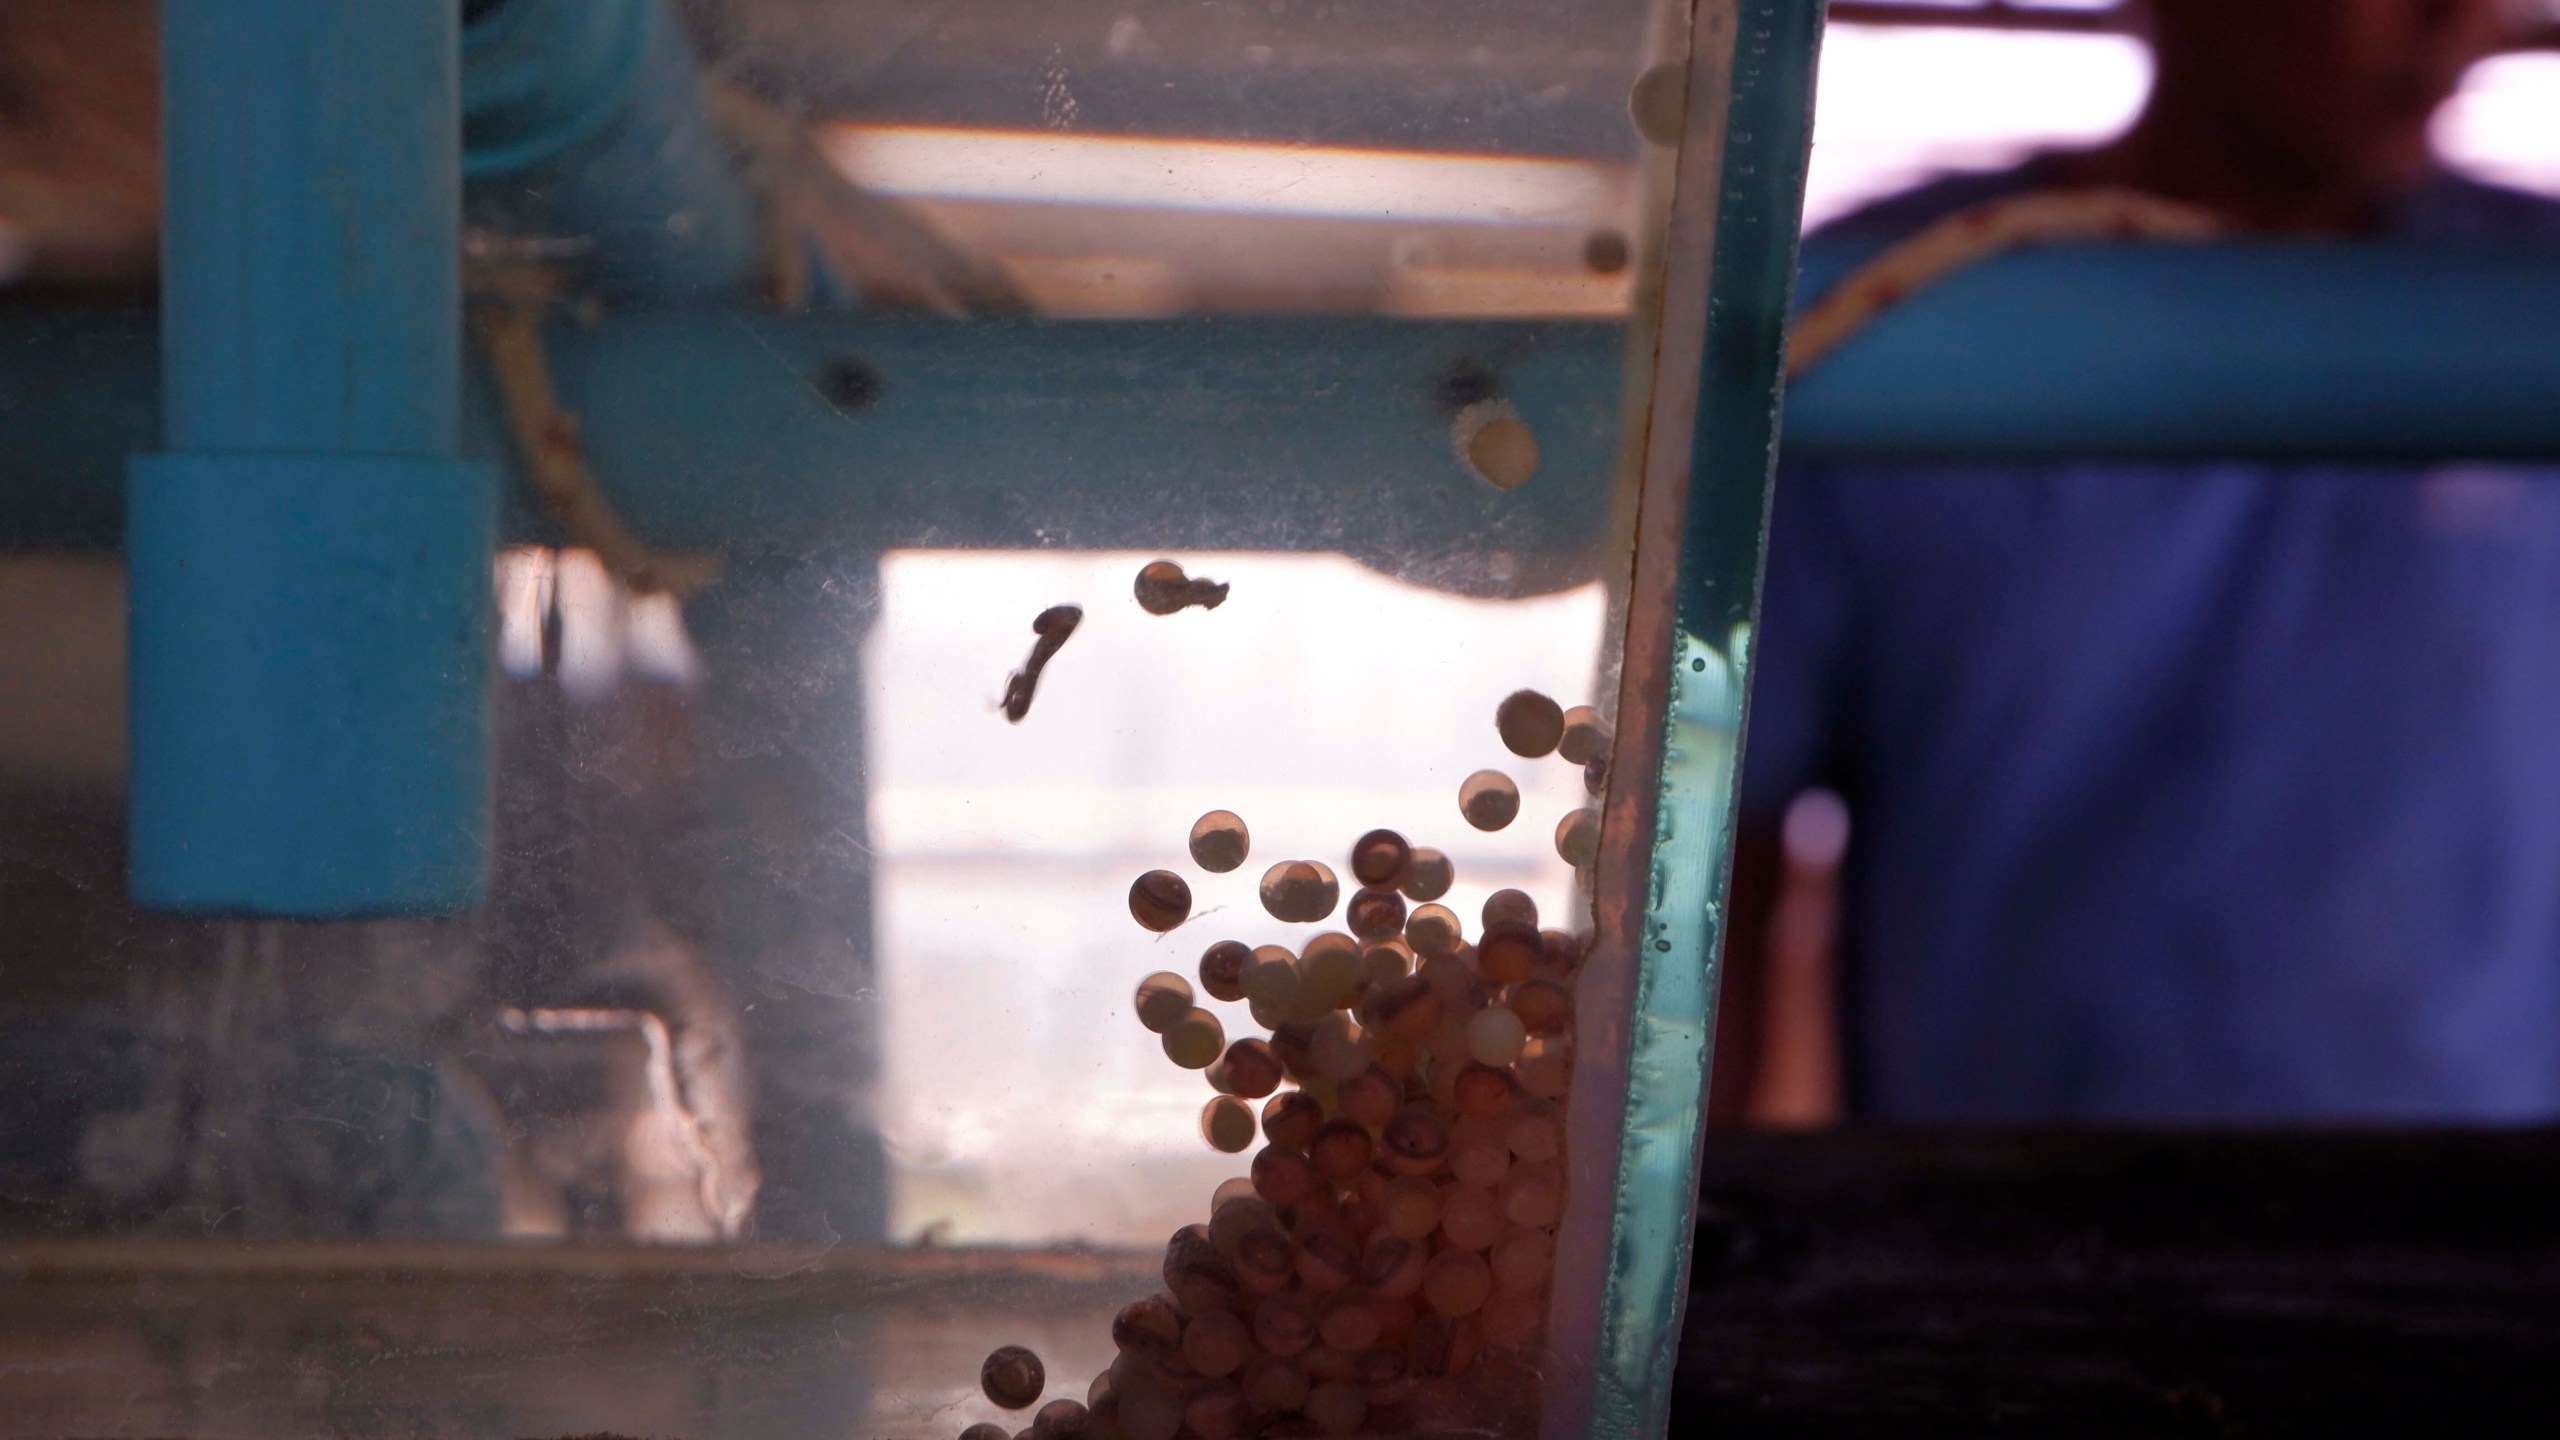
(2118, 777)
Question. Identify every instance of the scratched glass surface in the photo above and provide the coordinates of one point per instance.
(850, 364)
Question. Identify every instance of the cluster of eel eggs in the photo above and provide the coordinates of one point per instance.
(1386, 1261)
(1385, 1264)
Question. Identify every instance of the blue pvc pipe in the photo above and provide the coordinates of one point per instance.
(583, 121)
(541, 77)
(715, 428)
(310, 724)
(709, 426)
(309, 283)
(2168, 351)
(309, 561)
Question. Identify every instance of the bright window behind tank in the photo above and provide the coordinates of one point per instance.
(1021, 1101)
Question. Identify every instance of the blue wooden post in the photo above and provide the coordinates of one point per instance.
(309, 559)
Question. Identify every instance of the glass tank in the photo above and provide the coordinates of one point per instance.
(832, 718)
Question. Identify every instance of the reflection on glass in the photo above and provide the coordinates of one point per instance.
(1052, 680)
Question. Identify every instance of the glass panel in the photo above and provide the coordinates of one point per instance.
(1074, 625)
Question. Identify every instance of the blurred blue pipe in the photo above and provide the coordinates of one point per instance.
(584, 120)
(2341, 350)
